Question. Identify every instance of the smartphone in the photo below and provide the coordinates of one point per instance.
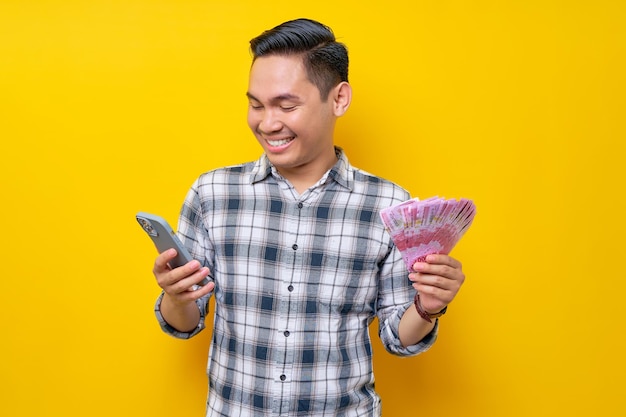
(164, 238)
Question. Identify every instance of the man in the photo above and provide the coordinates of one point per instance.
(299, 261)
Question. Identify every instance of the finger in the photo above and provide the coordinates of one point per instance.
(161, 262)
(199, 290)
(429, 291)
(204, 290)
(432, 280)
(186, 277)
(441, 259)
(169, 277)
(194, 293)
(442, 270)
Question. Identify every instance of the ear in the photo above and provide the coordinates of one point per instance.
(342, 97)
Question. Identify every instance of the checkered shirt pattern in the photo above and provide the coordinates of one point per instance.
(299, 278)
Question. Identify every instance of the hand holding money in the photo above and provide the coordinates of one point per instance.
(425, 232)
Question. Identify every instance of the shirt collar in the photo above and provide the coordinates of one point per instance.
(342, 172)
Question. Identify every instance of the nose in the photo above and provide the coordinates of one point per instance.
(269, 122)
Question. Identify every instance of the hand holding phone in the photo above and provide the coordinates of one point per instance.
(164, 238)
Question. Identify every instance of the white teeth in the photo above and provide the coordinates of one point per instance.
(279, 142)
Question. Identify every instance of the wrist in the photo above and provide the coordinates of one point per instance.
(425, 314)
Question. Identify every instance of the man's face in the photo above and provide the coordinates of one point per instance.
(288, 117)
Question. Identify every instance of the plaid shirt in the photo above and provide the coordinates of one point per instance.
(298, 280)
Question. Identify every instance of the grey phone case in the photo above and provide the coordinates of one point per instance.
(164, 238)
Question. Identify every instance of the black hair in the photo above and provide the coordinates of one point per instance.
(325, 59)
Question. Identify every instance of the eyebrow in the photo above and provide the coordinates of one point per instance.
(276, 99)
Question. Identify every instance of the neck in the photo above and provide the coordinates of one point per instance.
(304, 177)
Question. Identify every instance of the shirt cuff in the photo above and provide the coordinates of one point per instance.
(390, 337)
(171, 330)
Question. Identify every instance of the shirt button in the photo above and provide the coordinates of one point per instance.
(283, 377)
(286, 333)
(294, 247)
(290, 288)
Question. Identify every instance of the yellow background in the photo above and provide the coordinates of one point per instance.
(112, 107)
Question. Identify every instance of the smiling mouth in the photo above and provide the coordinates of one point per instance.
(279, 142)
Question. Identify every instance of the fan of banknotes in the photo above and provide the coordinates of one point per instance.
(420, 228)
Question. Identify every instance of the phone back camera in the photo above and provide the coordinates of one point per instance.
(147, 226)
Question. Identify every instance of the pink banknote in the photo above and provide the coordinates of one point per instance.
(420, 228)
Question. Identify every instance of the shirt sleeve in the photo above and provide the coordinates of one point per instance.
(395, 296)
(194, 236)
(202, 304)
